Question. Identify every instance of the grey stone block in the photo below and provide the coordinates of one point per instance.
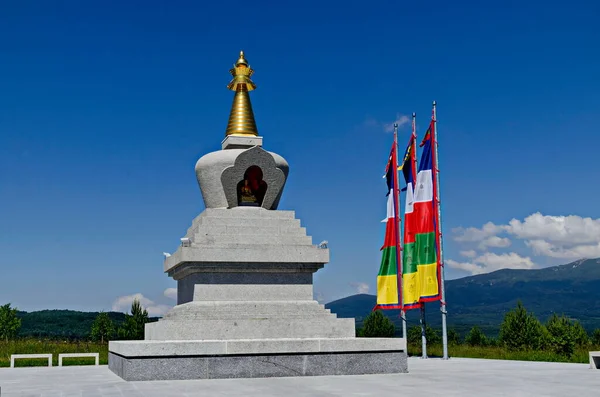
(362, 344)
(146, 348)
(241, 142)
(257, 366)
(247, 309)
(251, 328)
(248, 213)
(252, 239)
(253, 292)
(273, 346)
(169, 348)
(240, 235)
(189, 277)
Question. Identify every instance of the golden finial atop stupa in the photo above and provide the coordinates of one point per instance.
(241, 117)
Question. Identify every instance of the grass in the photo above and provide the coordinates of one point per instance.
(35, 346)
(581, 355)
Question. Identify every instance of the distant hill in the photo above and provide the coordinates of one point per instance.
(572, 289)
(59, 324)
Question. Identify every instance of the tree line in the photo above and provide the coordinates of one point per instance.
(520, 330)
(102, 329)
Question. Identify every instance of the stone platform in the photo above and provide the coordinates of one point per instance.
(216, 359)
(432, 377)
(245, 308)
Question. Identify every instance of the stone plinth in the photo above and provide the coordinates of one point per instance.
(255, 358)
(245, 308)
(246, 273)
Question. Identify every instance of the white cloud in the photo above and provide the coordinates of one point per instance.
(544, 248)
(495, 242)
(566, 237)
(466, 266)
(171, 293)
(469, 253)
(490, 262)
(123, 304)
(564, 230)
(361, 288)
(473, 234)
(401, 120)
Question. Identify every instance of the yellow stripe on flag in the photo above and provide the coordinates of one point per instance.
(387, 290)
(428, 281)
(410, 289)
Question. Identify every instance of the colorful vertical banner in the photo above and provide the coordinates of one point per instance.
(387, 278)
(426, 224)
(420, 273)
(410, 287)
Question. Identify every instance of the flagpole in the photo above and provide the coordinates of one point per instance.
(439, 235)
(422, 306)
(398, 229)
(423, 334)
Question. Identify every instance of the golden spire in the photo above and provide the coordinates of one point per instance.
(241, 117)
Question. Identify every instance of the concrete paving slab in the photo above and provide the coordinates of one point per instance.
(456, 377)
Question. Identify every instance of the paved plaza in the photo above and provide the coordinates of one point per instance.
(456, 377)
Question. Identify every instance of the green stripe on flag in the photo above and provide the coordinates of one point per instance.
(388, 262)
(409, 265)
(426, 248)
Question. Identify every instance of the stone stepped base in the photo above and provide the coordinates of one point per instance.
(173, 360)
(267, 328)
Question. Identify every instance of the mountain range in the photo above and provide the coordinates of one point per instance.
(572, 289)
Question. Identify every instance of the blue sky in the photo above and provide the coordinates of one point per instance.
(105, 108)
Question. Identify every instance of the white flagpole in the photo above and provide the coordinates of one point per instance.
(423, 333)
(441, 246)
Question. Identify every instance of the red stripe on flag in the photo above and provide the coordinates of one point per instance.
(390, 234)
(409, 228)
(423, 217)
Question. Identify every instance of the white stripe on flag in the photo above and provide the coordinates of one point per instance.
(410, 200)
(390, 204)
(424, 190)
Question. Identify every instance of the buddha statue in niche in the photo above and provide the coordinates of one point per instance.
(251, 190)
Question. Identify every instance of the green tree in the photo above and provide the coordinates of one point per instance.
(476, 337)
(580, 335)
(103, 328)
(596, 337)
(453, 337)
(9, 322)
(433, 336)
(521, 330)
(414, 335)
(133, 326)
(376, 325)
(560, 335)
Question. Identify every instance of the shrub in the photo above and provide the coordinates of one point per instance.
(133, 326)
(521, 330)
(102, 328)
(453, 337)
(580, 336)
(376, 325)
(9, 322)
(596, 337)
(414, 335)
(476, 337)
(560, 335)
